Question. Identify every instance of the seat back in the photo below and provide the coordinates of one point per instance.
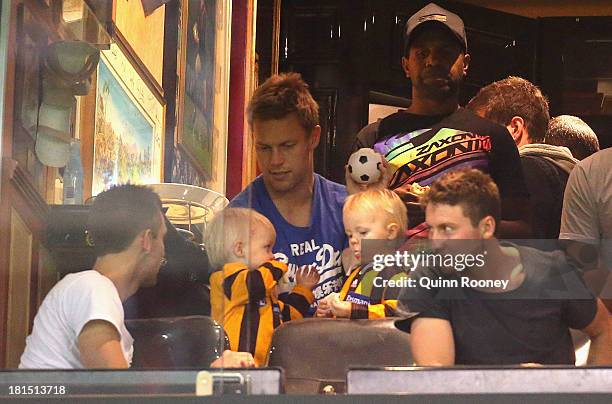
(182, 284)
(176, 342)
(316, 353)
(170, 297)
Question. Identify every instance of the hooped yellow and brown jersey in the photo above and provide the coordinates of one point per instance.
(369, 293)
(245, 303)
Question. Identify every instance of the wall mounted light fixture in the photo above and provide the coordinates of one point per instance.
(68, 67)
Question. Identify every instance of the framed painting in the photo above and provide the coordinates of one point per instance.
(203, 87)
(128, 125)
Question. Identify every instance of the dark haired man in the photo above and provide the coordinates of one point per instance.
(80, 323)
(510, 305)
(433, 135)
(573, 133)
(521, 107)
(304, 207)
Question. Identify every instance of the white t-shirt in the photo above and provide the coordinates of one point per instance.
(72, 303)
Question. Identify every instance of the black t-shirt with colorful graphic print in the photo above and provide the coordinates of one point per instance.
(422, 148)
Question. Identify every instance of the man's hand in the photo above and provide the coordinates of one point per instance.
(307, 277)
(340, 308)
(411, 193)
(99, 345)
(231, 359)
(353, 187)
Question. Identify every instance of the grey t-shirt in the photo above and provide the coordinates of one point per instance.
(587, 204)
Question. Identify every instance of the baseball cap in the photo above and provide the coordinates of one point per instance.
(432, 13)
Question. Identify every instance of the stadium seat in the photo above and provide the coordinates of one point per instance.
(181, 288)
(176, 342)
(315, 353)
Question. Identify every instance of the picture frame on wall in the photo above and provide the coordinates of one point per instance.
(203, 87)
(128, 125)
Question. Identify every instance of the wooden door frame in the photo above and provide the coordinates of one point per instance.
(9, 14)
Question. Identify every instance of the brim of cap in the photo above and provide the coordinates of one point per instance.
(417, 30)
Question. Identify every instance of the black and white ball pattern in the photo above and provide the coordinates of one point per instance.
(364, 166)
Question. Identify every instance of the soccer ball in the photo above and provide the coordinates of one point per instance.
(364, 166)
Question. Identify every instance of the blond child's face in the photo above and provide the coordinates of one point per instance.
(260, 243)
(360, 224)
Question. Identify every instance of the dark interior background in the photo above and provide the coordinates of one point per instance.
(349, 52)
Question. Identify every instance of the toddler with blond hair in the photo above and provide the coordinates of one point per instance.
(369, 215)
(243, 294)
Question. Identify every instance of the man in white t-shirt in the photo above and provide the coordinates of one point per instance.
(80, 323)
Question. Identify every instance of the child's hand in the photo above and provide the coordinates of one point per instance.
(307, 276)
(332, 297)
(274, 292)
(340, 308)
(323, 309)
(285, 284)
(231, 359)
(324, 305)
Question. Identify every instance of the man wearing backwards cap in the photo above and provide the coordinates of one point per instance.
(434, 135)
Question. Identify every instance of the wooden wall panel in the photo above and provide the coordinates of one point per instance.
(144, 34)
(9, 51)
(20, 268)
(48, 275)
(221, 96)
